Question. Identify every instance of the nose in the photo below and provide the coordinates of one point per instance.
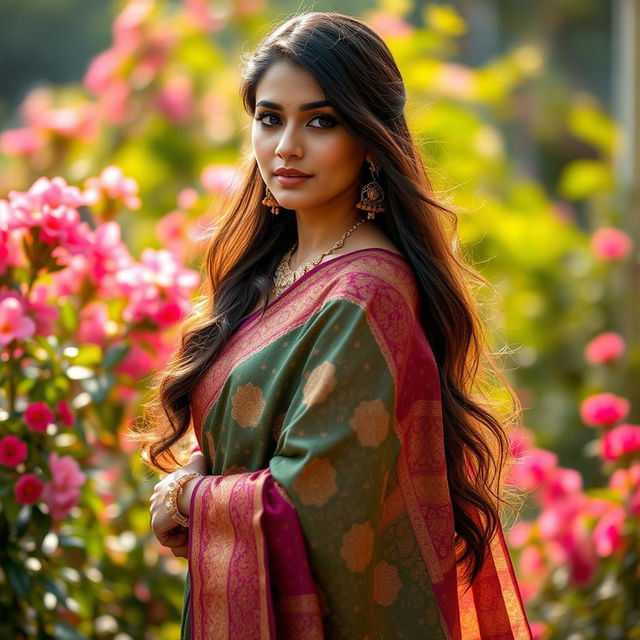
(289, 145)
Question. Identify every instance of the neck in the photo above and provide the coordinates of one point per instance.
(319, 230)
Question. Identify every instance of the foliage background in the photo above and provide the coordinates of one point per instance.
(512, 104)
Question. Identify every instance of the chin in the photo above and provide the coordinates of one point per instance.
(289, 202)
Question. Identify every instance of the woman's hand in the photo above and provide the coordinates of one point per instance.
(169, 533)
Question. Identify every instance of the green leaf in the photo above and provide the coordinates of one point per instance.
(18, 578)
(58, 589)
(89, 355)
(63, 631)
(68, 317)
(22, 522)
(444, 19)
(587, 122)
(582, 178)
(48, 347)
(115, 355)
(42, 524)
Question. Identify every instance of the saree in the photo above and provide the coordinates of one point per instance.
(327, 514)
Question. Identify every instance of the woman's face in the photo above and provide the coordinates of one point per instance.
(295, 128)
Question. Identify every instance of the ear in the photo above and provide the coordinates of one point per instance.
(369, 157)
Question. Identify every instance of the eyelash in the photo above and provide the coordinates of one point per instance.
(326, 116)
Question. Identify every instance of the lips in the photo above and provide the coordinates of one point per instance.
(292, 173)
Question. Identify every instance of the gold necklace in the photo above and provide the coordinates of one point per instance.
(284, 277)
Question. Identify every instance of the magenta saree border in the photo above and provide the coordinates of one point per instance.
(312, 272)
(248, 567)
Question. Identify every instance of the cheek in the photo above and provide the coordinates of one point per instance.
(342, 153)
(261, 144)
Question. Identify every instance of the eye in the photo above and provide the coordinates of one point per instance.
(266, 114)
(326, 121)
(330, 121)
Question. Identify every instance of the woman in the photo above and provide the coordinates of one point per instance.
(348, 483)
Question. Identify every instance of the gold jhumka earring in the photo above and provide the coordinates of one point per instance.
(372, 195)
(270, 201)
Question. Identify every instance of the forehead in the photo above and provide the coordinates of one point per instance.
(289, 84)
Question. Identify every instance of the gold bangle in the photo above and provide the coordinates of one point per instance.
(170, 500)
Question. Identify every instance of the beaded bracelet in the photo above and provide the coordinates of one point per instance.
(170, 501)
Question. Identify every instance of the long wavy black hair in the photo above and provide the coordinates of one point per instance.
(361, 80)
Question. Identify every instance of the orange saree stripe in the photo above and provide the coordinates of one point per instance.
(263, 578)
(212, 546)
(227, 544)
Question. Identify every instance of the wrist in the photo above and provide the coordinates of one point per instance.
(184, 497)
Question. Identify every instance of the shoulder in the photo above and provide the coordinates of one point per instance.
(374, 279)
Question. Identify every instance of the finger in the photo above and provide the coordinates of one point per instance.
(181, 552)
(172, 540)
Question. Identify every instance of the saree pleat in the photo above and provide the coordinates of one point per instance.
(327, 512)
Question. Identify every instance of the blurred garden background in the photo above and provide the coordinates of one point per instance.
(121, 128)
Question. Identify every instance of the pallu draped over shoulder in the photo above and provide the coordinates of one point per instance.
(327, 514)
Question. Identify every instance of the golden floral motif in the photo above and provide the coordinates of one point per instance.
(320, 383)
(248, 405)
(357, 547)
(211, 446)
(371, 423)
(316, 483)
(234, 469)
(386, 584)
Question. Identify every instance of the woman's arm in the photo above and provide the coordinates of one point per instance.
(169, 533)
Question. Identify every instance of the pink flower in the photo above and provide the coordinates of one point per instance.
(456, 80)
(556, 520)
(389, 25)
(620, 441)
(611, 244)
(607, 534)
(520, 440)
(532, 469)
(137, 363)
(28, 489)
(603, 409)
(606, 347)
(13, 451)
(64, 412)
(520, 534)
(171, 229)
(561, 484)
(101, 70)
(538, 629)
(44, 314)
(63, 492)
(21, 142)
(580, 555)
(38, 416)
(79, 122)
(624, 481)
(203, 16)
(158, 288)
(187, 198)
(112, 184)
(14, 324)
(219, 178)
(94, 319)
(174, 99)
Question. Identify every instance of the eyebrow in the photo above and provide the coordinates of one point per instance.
(302, 107)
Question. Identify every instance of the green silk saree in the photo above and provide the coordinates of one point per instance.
(327, 513)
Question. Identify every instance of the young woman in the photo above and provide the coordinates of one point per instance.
(348, 481)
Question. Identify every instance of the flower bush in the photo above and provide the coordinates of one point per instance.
(82, 324)
(579, 557)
